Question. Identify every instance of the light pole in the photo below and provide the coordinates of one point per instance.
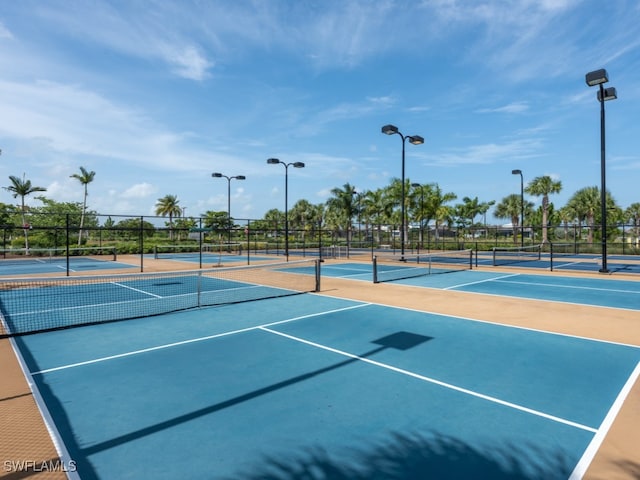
(273, 161)
(415, 140)
(600, 77)
(519, 172)
(421, 187)
(237, 177)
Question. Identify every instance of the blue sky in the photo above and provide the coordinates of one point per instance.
(154, 96)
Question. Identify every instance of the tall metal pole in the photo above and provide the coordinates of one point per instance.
(415, 140)
(229, 213)
(273, 161)
(229, 178)
(519, 172)
(286, 210)
(402, 209)
(521, 210)
(603, 186)
(600, 77)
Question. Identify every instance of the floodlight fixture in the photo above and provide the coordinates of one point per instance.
(597, 77)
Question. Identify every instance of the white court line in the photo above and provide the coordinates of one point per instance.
(450, 386)
(366, 270)
(481, 281)
(136, 289)
(576, 287)
(596, 441)
(50, 425)
(193, 340)
(568, 264)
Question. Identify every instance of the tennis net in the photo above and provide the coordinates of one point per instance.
(561, 250)
(388, 268)
(511, 255)
(30, 305)
(193, 249)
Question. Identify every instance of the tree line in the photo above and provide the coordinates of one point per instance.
(425, 205)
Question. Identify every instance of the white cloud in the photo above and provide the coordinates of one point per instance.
(189, 62)
(140, 190)
(514, 107)
(487, 153)
(4, 32)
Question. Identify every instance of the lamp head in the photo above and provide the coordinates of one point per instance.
(240, 177)
(216, 175)
(416, 185)
(416, 140)
(298, 165)
(597, 77)
(272, 161)
(389, 129)
(609, 94)
(516, 172)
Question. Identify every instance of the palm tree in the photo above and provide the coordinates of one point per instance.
(374, 210)
(585, 203)
(168, 205)
(544, 186)
(85, 178)
(342, 205)
(274, 218)
(510, 207)
(483, 208)
(22, 188)
(301, 217)
(435, 206)
(633, 213)
(565, 216)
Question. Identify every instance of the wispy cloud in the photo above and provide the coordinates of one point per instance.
(4, 32)
(189, 62)
(132, 32)
(139, 190)
(486, 153)
(514, 107)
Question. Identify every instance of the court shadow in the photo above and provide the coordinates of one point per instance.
(409, 456)
(631, 468)
(81, 454)
(398, 340)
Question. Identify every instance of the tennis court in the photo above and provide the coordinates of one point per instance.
(38, 261)
(316, 386)
(563, 257)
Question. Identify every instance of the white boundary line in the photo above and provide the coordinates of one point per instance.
(450, 386)
(50, 425)
(469, 319)
(576, 287)
(193, 340)
(588, 455)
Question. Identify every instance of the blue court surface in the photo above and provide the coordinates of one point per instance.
(604, 292)
(57, 265)
(216, 258)
(310, 386)
(578, 262)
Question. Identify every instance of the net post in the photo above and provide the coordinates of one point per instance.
(199, 288)
(375, 269)
(318, 276)
(471, 258)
